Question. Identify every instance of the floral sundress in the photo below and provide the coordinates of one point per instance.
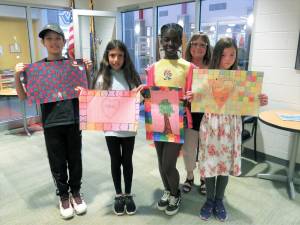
(220, 145)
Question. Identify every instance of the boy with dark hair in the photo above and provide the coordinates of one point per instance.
(61, 130)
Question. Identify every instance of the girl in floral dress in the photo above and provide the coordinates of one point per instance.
(220, 138)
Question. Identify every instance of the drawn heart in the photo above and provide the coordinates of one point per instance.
(221, 91)
(110, 106)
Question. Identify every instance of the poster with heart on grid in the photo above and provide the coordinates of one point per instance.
(109, 110)
(232, 92)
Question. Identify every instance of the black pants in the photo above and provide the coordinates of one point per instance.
(63, 145)
(121, 150)
(215, 187)
(167, 154)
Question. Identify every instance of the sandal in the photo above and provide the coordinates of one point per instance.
(202, 187)
(187, 186)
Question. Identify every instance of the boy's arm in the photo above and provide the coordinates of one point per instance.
(20, 67)
(88, 66)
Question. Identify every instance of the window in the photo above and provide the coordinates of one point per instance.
(183, 14)
(229, 19)
(15, 47)
(137, 36)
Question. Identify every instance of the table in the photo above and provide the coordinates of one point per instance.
(272, 119)
(10, 93)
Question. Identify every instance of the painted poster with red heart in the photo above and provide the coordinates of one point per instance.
(54, 81)
(109, 110)
(232, 92)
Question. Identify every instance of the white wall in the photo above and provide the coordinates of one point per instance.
(273, 50)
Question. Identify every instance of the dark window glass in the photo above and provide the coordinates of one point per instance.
(229, 19)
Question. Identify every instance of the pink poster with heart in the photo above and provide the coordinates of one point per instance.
(109, 110)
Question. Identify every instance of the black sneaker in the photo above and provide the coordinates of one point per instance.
(130, 205)
(119, 206)
(174, 203)
(164, 200)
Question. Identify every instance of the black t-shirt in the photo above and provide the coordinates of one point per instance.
(59, 113)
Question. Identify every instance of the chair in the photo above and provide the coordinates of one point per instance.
(248, 134)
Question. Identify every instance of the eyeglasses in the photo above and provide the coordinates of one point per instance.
(199, 45)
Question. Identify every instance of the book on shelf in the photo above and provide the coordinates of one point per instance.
(7, 80)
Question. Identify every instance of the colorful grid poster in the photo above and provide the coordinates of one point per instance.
(54, 81)
(164, 114)
(109, 110)
(226, 91)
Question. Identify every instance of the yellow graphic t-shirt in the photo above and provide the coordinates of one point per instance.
(171, 72)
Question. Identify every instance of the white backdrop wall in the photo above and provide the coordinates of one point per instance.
(273, 50)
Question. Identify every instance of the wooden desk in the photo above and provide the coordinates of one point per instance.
(10, 93)
(272, 119)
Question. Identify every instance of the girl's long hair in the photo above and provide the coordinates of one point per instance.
(207, 56)
(218, 51)
(130, 73)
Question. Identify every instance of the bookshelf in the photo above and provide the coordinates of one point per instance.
(7, 80)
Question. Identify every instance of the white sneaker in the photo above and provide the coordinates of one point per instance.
(79, 204)
(65, 208)
(173, 206)
(164, 200)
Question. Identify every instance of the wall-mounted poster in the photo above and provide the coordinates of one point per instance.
(54, 81)
(109, 110)
(164, 114)
(226, 91)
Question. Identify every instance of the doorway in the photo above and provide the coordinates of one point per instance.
(92, 32)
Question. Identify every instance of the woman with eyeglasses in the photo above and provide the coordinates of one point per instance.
(198, 52)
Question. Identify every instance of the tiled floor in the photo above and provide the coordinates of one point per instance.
(27, 189)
